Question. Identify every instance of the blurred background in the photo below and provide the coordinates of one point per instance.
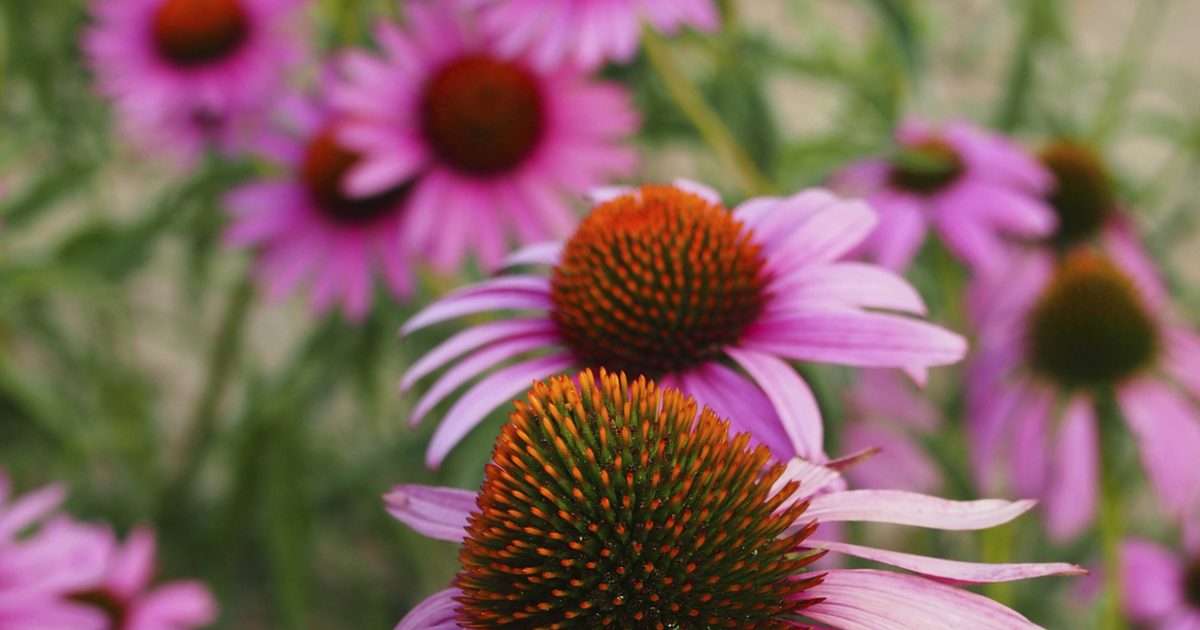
(139, 365)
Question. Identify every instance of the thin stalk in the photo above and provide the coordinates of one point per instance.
(202, 425)
(1020, 80)
(1143, 31)
(720, 139)
(997, 545)
(1112, 515)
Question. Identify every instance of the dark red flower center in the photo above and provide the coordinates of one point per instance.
(1090, 327)
(612, 505)
(113, 607)
(323, 171)
(1191, 583)
(656, 282)
(926, 167)
(1083, 195)
(483, 116)
(193, 33)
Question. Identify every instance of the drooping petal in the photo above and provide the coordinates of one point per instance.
(470, 339)
(791, 397)
(865, 599)
(1074, 482)
(845, 284)
(437, 612)
(1167, 428)
(488, 394)
(856, 338)
(439, 513)
(910, 508)
(1150, 579)
(548, 253)
(505, 293)
(952, 571)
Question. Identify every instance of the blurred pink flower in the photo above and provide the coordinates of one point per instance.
(974, 188)
(59, 574)
(886, 412)
(557, 532)
(588, 32)
(1055, 336)
(124, 595)
(491, 141)
(1160, 586)
(664, 281)
(186, 75)
(306, 228)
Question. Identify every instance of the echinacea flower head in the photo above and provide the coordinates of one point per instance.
(306, 228)
(615, 503)
(664, 281)
(588, 32)
(1082, 196)
(976, 189)
(491, 141)
(1061, 337)
(187, 75)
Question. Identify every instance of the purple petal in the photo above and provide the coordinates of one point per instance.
(470, 339)
(825, 237)
(855, 338)
(1070, 502)
(1167, 428)
(741, 402)
(812, 477)
(865, 599)
(548, 254)
(497, 294)
(900, 465)
(910, 508)
(952, 571)
(706, 193)
(439, 513)
(789, 394)
(844, 284)
(438, 612)
(475, 365)
(1150, 579)
(486, 396)
(30, 508)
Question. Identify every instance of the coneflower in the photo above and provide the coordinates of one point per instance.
(609, 503)
(664, 281)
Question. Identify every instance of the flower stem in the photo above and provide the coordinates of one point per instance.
(1112, 517)
(689, 100)
(202, 424)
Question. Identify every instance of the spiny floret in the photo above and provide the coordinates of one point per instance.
(657, 281)
(1083, 195)
(610, 504)
(1090, 326)
(926, 167)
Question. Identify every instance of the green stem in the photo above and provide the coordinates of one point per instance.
(202, 425)
(997, 545)
(1142, 32)
(722, 141)
(1112, 516)
(1020, 80)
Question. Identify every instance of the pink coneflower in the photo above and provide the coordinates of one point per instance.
(493, 141)
(190, 74)
(124, 598)
(56, 573)
(43, 557)
(974, 188)
(1057, 339)
(1160, 586)
(609, 502)
(886, 412)
(666, 282)
(588, 32)
(307, 228)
